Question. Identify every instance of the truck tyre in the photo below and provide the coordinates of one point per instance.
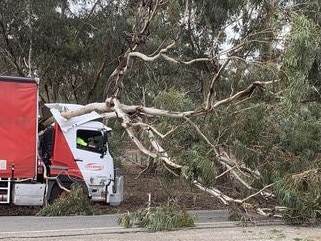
(56, 192)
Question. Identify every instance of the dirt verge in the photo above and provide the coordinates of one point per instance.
(137, 187)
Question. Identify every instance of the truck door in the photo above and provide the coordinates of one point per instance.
(94, 161)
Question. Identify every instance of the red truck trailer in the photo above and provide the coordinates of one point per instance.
(36, 166)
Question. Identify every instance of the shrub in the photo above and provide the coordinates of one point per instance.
(75, 202)
(164, 217)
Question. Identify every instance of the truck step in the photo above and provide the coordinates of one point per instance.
(5, 187)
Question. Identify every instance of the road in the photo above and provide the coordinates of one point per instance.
(31, 226)
(211, 225)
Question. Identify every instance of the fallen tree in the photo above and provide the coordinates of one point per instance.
(112, 108)
(246, 134)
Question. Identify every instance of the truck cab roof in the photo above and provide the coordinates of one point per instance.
(66, 124)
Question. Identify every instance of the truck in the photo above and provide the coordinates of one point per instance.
(40, 158)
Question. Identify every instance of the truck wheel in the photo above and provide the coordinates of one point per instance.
(56, 192)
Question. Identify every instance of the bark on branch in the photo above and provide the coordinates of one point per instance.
(108, 106)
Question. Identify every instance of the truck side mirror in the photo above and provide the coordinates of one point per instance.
(103, 151)
(103, 148)
(105, 136)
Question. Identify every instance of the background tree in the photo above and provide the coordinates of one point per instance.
(219, 93)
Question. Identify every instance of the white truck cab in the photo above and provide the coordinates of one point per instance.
(86, 141)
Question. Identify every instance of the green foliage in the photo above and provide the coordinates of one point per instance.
(291, 158)
(305, 36)
(284, 146)
(116, 143)
(173, 100)
(165, 217)
(214, 13)
(68, 46)
(76, 202)
(301, 193)
(174, 11)
(297, 141)
(201, 164)
(301, 135)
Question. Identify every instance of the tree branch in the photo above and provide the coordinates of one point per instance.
(108, 106)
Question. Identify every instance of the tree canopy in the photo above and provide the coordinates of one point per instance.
(214, 91)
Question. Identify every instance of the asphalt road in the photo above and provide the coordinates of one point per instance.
(210, 225)
(31, 226)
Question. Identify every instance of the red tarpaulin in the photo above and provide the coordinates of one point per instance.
(62, 155)
(18, 127)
